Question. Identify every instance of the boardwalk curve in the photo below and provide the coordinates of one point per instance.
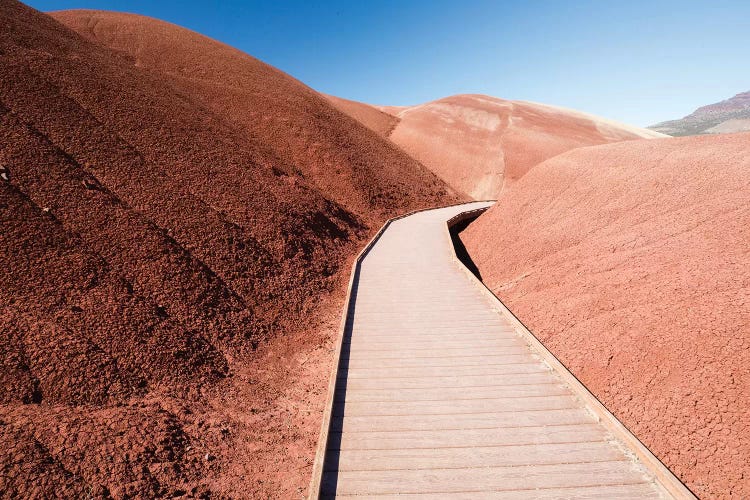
(440, 392)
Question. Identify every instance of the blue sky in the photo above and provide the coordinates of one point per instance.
(635, 61)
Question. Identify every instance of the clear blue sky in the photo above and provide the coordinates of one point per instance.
(635, 61)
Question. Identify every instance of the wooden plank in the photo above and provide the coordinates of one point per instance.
(466, 338)
(455, 407)
(374, 344)
(436, 353)
(437, 321)
(388, 396)
(606, 492)
(478, 456)
(458, 332)
(444, 481)
(463, 438)
(423, 371)
(447, 362)
(433, 325)
(452, 421)
(470, 313)
(367, 326)
(396, 311)
(451, 381)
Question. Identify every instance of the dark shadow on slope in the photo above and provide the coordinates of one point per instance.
(460, 249)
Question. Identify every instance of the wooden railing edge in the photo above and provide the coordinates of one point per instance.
(665, 477)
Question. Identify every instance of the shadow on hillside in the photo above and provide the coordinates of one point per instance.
(458, 245)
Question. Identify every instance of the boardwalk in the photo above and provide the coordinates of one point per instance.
(439, 395)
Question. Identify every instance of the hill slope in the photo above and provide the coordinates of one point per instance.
(370, 116)
(156, 233)
(353, 166)
(478, 143)
(630, 262)
(725, 117)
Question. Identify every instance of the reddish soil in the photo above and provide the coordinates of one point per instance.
(178, 221)
(477, 143)
(631, 262)
(292, 124)
(370, 116)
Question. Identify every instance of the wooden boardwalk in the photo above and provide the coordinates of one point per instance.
(439, 395)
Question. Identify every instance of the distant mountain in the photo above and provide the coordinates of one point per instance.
(725, 117)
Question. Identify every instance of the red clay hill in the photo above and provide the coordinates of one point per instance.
(631, 263)
(478, 143)
(372, 117)
(290, 121)
(177, 222)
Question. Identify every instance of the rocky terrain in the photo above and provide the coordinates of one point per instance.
(631, 263)
(178, 222)
(725, 117)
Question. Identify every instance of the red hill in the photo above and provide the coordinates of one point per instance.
(372, 117)
(630, 262)
(477, 144)
(169, 206)
(275, 112)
